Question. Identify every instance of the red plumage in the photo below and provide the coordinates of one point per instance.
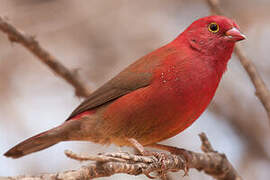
(154, 98)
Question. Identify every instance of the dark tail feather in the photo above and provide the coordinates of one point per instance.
(35, 143)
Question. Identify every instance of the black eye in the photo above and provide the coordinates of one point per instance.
(213, 27)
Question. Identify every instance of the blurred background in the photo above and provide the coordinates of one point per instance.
(97, 39)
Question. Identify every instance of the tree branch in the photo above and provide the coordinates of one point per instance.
(262, 91)
(107, 164)
(44, 56)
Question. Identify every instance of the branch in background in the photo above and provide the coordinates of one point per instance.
(237, 123)
(44, 56)
(108, 164)
(262, 91)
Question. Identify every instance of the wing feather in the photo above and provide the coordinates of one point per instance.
(135, 76)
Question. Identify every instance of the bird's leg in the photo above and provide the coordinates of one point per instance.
(139, 147)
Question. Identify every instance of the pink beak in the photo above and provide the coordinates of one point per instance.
(235, 35)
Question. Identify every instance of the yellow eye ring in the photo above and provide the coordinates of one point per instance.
(213, 27)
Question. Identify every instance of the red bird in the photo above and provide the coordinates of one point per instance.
(156, 97)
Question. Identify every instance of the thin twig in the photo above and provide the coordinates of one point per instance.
(44, 56)
(107, 164)
(206, 146)
(262, 92)
(220, 172)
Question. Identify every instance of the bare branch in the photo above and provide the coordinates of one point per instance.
(107, 164)
(206, 146)
(236, 121)
(262, 91)
(228, 171)
(44, 56)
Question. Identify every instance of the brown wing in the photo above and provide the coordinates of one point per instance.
(137, 75)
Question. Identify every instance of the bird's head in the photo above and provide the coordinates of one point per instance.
(213, 35)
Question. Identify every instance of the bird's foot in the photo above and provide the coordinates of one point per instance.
(139, 147)
(177, 151)
(159, 155)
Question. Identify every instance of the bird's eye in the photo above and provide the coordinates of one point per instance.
(213, 27)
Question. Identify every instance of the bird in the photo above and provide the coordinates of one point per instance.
(156, 97)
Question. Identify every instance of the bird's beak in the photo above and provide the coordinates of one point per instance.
(235, 35)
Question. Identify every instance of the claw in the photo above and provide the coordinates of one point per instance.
(149, 176)
(186, 170)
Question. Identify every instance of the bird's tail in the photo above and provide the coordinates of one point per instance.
(39, 142)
